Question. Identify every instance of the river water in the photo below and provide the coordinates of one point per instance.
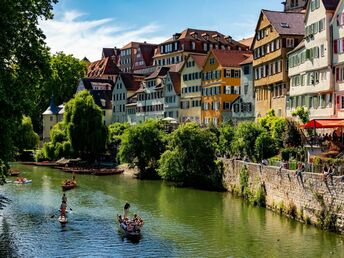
(179, 222)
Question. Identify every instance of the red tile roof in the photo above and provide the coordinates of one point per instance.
(230, 58)
(105, 66)
(247, 41)
(136, 44)
(295, 22)
(199, 59)
(175, 78)
(248, 60)
(131, 81)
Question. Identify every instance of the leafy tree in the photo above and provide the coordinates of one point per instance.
(292, 136)
(26, 138)
(115, 132)
(190, 158)
(225, 139)
(85, 128)
(265, 146)
(24, 62)
(244, 138)
(303, 114)
(142, 146)
(275, 125)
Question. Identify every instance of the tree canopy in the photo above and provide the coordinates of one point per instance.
(26, 138)
(24, 62)
(85, 127)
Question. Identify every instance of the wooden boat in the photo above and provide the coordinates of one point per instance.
(14, 172)
(130, 230)
(68, 185)
(63, 220)
(22, 181)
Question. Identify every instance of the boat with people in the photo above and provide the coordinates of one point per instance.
(22, 180)
(63, 220)
(14, 172)
(63, 211)
(69, 184)
(130, 227)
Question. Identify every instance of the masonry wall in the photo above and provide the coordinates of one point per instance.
(312, 201)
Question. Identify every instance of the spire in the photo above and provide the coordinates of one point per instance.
(52, 109)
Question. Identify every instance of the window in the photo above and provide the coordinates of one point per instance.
(246, 69)
(284, 25)
(212, 60)
(290, 42)
(245, 88)
(51, 118)
(193, 45)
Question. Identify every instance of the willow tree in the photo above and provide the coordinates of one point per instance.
(85, 127)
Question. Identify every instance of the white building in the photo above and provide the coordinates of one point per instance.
(310, 63)
(51, 117)
(172, 95)
(126, 85)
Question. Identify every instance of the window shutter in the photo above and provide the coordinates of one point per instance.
(335, 46)
(337, 74)
(338, 22)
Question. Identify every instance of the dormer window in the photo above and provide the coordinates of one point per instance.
(194, 34)
(228, 38)
(216, 37)
(205, 36)
(284, 25)
(176, 36)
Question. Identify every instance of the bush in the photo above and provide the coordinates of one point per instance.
(265, 146)
(39, 156)
(48, 150)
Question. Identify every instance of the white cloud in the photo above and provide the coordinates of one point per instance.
(80, 37)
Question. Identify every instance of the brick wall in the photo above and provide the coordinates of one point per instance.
(315, 201)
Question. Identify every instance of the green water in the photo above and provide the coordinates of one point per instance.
(178, 222)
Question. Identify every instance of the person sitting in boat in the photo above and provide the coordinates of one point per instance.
(64, 198)
(126, 210)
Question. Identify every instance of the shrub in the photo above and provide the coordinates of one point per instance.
(265, 146)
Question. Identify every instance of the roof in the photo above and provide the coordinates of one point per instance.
(230, 58)
(175, 79)
(108, 52)
(294, 21)
(103, 66)
(102, 98)
(159, 71)
(298, 47)
(248, 60)
(199, 59)
(131, 81)
(247, 41)
(324, 123)
(330, 4)
(87, 82)
(136, 44)
(52, 109)
(189, 32)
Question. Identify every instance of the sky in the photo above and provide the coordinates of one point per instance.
(84, 27)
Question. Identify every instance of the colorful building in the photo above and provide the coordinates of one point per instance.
(191, 89)
(277, 33)
(189, 41)
(172, 95)
(310, 63)
(105, 68)
(221, 84)
(294, 5)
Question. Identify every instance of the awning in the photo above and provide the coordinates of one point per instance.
(324, 123)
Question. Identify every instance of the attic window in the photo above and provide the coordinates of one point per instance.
(228, 38)
(216, 37)
(194, 34)
(205, 36)
(284, 25)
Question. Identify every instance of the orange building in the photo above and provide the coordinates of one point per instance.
(221, 84)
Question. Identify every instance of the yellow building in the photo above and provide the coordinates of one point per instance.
(51, 117)
(277, 33)
(221, 84)
(191, 90)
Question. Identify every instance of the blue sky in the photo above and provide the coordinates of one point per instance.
(83, 27)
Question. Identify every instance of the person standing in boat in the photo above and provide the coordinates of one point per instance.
(64, 198)
(126, 210)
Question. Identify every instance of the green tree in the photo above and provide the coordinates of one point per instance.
(190, 158)
(116, 130)
(24, 62)
(226, 138)
(142, 146)
(85, 127)
(302, 113)
(265, 146)
(292, 136)
(26, 138)
(245, 136)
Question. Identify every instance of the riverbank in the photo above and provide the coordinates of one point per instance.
(309, 199)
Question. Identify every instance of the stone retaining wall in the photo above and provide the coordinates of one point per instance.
(311, 200)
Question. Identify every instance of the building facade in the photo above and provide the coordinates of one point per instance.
(221, 84)
(125, 86)
(276, 34)
(310, 64)
(51, 117)
(294, 5)
(180, 45)
(105, 68)
(191, 89)
(337, 24)
(172, 95)
(243, 107)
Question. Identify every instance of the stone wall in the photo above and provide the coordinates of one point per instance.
(311, 200)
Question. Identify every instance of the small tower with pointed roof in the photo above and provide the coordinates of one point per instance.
(51, 116)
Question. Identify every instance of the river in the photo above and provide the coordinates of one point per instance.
(179, 222)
